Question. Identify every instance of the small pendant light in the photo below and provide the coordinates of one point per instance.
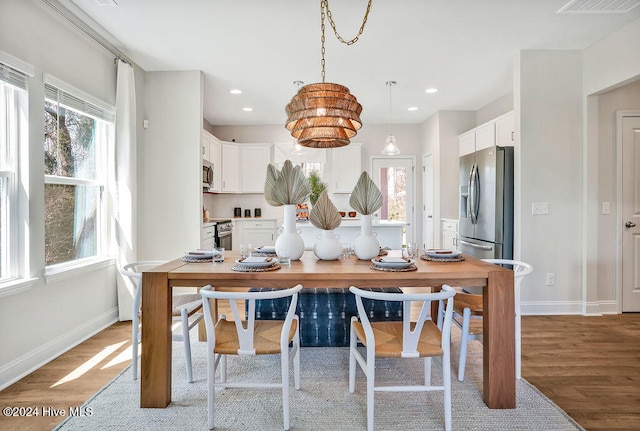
(390, 147)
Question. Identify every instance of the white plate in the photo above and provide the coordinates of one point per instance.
(392, 262)
(266, 249)
(257, 263)
(201, 254)
(442, 253)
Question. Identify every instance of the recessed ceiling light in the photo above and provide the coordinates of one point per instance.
(235, 91)
(412, 108)
(247, 109)
(431, 90)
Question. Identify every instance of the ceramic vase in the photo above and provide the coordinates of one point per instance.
(366, 246)
(289, 242)
(327, 247)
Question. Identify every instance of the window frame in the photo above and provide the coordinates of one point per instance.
(101, 112)
(15, 75)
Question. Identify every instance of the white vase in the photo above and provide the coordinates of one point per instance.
(289, 242)
(327, 247)
(366, 246)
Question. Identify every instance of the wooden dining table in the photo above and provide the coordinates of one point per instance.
(498, 301)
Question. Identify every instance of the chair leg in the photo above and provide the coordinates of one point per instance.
(184, 317)
(211, 380)
(464, 341)
(518, 346)
(134, 347)
(371, 379)
(223, 368)
(284, 368)
(427, 371)
(296, 359)
(446, 380)
(352, 360)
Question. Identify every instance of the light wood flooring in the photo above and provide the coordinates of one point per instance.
(589, 366)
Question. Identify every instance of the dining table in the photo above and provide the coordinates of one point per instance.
(499, 381)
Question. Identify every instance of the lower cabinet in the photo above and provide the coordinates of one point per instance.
(207, 239)
(449, 234)
(256, 232)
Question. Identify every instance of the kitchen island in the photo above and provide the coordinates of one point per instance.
(499, 380)
(389, 234)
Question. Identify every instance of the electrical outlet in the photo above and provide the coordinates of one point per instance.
(551, 279)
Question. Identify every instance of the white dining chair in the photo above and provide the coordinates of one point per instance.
(185, 308)
(467, 315)
(248, 337)
(402, 339)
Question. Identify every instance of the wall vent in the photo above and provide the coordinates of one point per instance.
(599, 6)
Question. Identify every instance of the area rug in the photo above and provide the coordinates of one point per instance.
(322, 403)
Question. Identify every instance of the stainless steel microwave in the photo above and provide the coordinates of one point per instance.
(207, 175)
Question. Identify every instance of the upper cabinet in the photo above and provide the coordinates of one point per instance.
(505, 130)
(204, 145)
(346, 167)
(254, 159)
(498, 132)
(215, 157)
(230, 167)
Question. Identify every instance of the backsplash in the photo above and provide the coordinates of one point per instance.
(221, 205)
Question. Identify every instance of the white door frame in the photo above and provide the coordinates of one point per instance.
(425, 193)
(619, 216)
(411, 230)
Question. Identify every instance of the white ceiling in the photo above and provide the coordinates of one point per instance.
(465, 48)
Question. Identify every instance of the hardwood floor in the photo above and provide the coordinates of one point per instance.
(589, 366)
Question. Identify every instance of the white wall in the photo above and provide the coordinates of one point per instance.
(38, 324)
(170, 183)
(549, 104)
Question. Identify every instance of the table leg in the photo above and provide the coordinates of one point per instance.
(155, 363)
(499, 376)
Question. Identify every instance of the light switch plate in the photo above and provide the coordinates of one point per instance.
(606, 208)
(540, 208)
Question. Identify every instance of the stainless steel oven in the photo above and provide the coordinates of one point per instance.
(223, 234)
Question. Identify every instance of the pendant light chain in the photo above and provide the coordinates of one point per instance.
(390, 84)
(324, 4)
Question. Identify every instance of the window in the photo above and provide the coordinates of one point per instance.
(77, 132)
(13, 126)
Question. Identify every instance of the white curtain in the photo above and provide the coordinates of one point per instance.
(123, 187)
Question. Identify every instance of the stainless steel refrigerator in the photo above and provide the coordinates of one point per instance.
(485, 228)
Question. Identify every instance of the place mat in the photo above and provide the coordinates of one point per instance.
(190, 259)
(458, 258)
(391, 269)
(240, 268)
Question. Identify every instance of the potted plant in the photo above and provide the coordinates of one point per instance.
(316, 186)
(287, 187)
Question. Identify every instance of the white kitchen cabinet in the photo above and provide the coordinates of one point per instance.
(346, 167)
(207, 239)
(485, 136)
(467, 143)
(257, 232)
(230, 167)
(449, 234)
(505, 130)
(204, 145)
(215, 157)
(254, 159)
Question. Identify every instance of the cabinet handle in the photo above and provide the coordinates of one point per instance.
(513, 136)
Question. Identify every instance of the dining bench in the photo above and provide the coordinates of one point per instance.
(325, 313)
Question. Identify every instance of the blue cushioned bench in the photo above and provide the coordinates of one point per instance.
(325, 313)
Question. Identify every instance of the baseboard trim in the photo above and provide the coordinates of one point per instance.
(599, 308)
(538, 308)
(36, 358)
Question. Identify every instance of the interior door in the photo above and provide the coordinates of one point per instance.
(394, 176)
(427, 199)
(630, 214)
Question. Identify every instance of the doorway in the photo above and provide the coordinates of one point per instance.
(394, 176)
(628, 143)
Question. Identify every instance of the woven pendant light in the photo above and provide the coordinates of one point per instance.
(325, 115)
